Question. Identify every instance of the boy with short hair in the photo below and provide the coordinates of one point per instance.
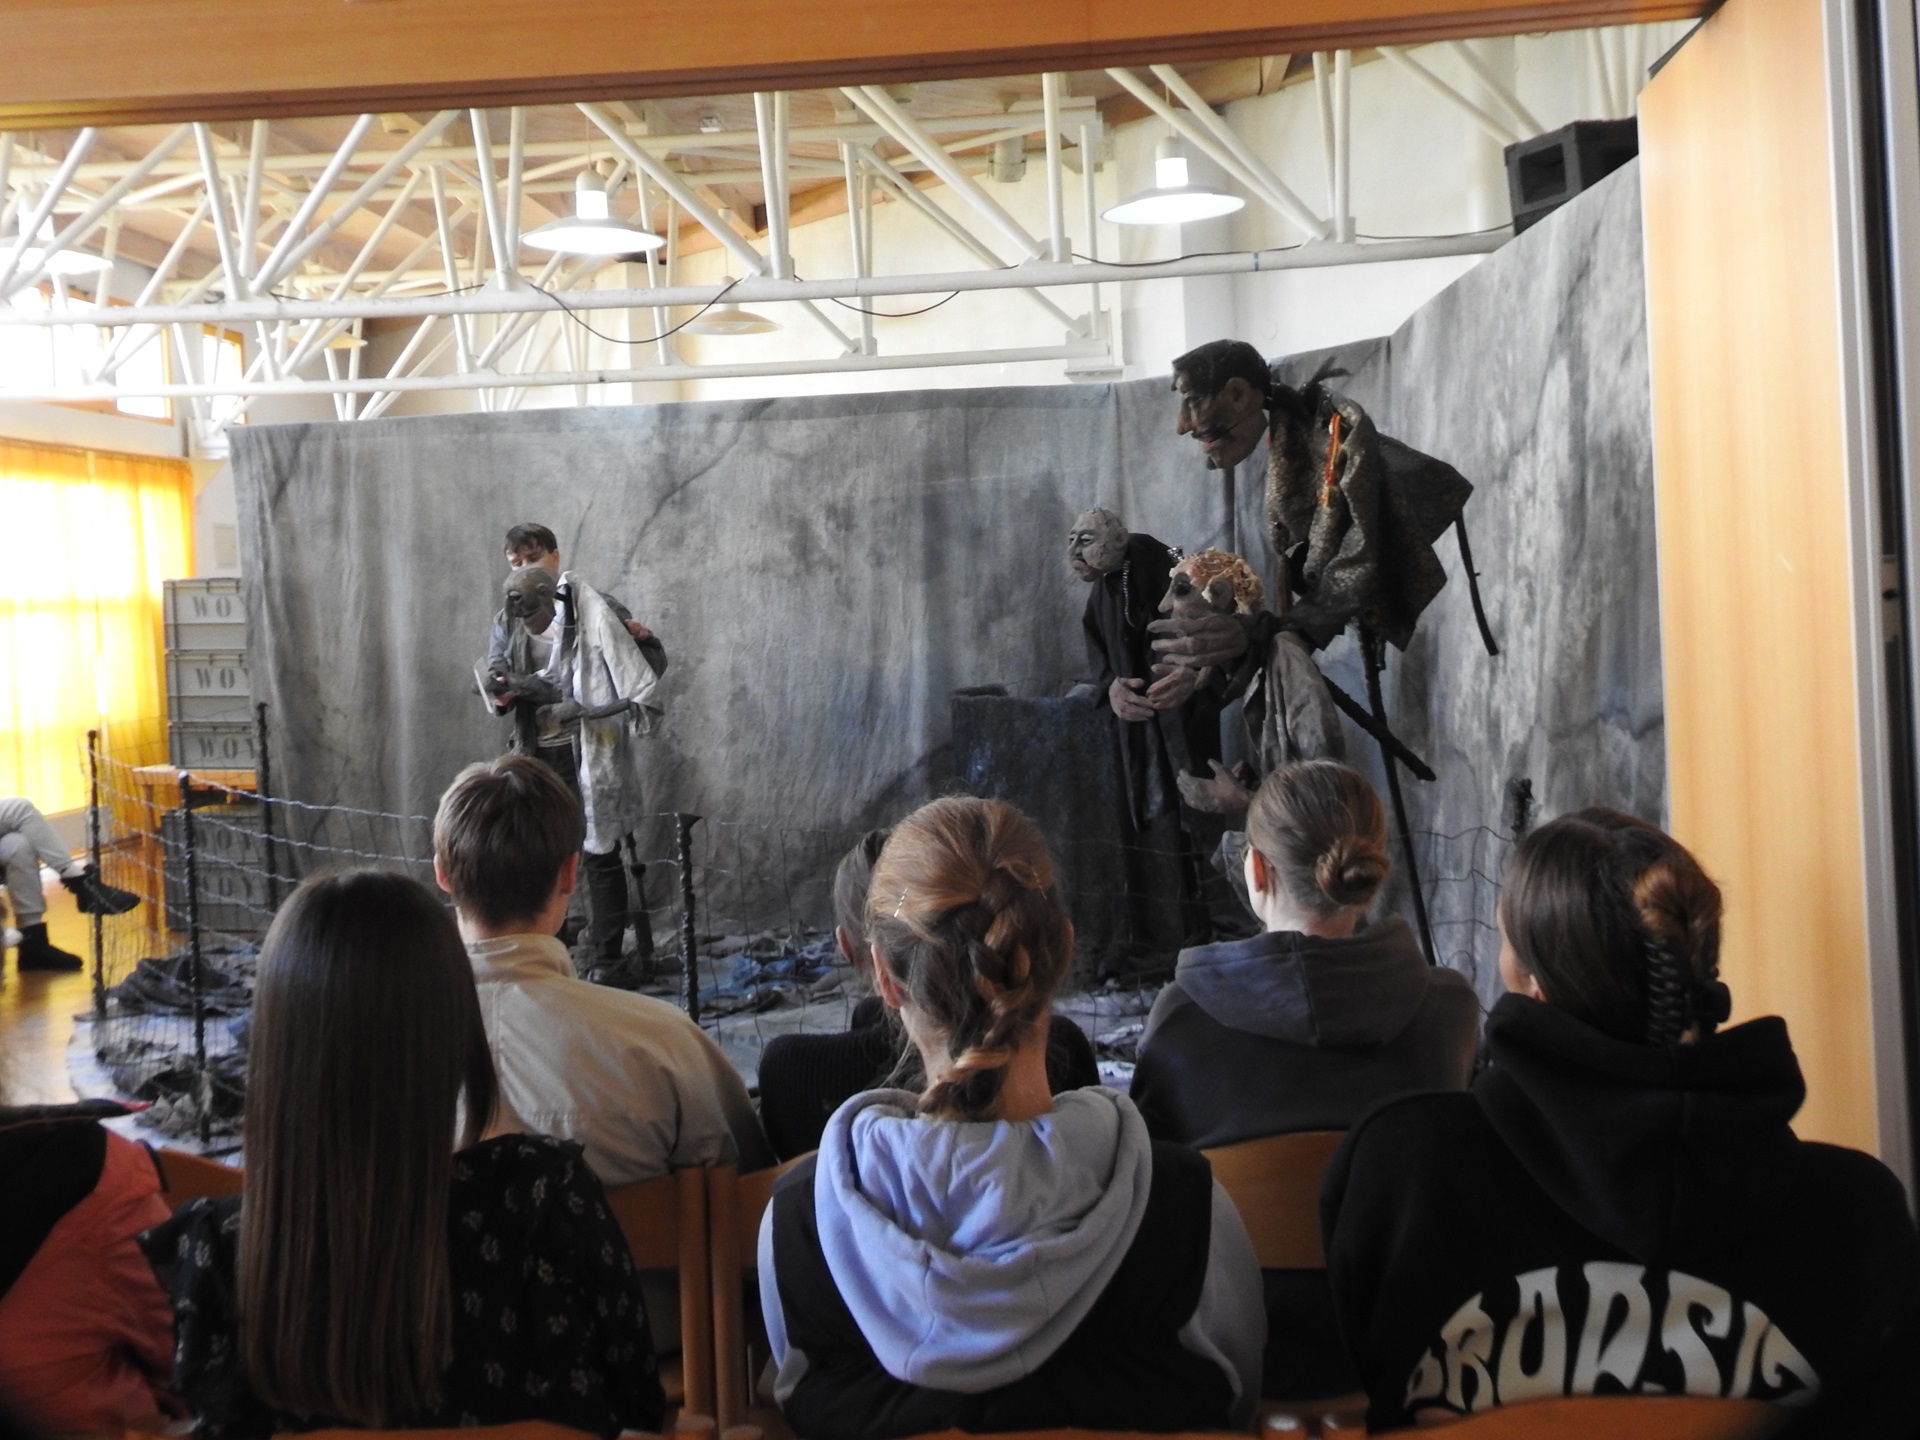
(631, 1078)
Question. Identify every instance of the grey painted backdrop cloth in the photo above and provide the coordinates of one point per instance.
(824, 571)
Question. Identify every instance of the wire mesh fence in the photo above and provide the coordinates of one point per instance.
(214, 856)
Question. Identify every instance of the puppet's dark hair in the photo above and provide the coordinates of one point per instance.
(1210, 366)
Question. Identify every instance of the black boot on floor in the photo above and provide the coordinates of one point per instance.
(609, 909)
(36, 952)
(95, 897)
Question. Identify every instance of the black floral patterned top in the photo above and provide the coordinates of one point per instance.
(548, 1323)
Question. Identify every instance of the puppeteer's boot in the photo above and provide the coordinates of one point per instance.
(39, 953)
(95, 897)
(607, 907)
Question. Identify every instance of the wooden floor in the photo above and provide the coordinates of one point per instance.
(37, 1013)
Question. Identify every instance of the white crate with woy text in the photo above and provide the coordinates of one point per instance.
(212, 744)
(205, 614)
(208, 685)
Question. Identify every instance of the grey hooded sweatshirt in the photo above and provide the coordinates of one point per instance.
(968, 1252)
(1287, 1032)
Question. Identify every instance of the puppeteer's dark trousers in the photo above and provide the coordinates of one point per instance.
(609, 906)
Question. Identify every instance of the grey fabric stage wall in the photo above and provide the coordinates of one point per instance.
(825, 572)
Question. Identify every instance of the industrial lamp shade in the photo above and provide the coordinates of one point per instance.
(592, 230)
(727, 318)
(1174, 198)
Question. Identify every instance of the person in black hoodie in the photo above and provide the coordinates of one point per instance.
(1618, 1206)
(1306, 1026)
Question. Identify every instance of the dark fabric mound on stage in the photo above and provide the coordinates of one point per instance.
(161, 986)
(166, 1076)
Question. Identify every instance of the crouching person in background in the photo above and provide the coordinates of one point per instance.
(984, 1255)
(377, 1270)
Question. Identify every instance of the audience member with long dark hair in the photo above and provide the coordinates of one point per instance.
(1305, 1026)
(379, 1271)
(1619, 1205)
(985, 1255)
(804, 1078)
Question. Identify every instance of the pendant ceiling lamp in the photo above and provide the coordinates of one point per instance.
(727, 318)
(67, 264)
(592, 230)
(1174, 199)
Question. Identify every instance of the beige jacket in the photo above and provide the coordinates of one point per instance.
(632, 1079)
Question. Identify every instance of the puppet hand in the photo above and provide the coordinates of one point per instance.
(1201, 641)
(1219, 795)
(637, 630)
(1174, 687)
(1126, 700)
(562, 711)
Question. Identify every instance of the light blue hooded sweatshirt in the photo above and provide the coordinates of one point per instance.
(969, 1251)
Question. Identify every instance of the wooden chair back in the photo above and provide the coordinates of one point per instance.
(1275, 1185)
(735, 1203)
(665, 1222)
(185, 1177)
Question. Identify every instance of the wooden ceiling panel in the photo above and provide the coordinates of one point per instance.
(87, 61)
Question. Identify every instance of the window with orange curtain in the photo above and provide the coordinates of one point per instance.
(91, 533)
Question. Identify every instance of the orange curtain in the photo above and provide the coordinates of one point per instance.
(82, 645)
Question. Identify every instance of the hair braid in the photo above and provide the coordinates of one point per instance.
(964, 915)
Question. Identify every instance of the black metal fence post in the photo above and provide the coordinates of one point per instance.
(683, 850)
(93, 858)
(203, 1078)
(263, 786)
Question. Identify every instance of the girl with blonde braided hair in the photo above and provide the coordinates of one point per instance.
(983, 1255)
(1619, 1204)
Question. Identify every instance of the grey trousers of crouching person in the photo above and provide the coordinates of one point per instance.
(27, 842)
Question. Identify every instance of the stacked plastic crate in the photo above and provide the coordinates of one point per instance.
(210, 730)
(209, 695)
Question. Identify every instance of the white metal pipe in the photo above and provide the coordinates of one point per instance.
(277, 269)
(506, 334)
(379, 404)
(881, 108)
(783, 176)
(1224, 133)
(451, 261)
(1343, 226)
(1091, 211)
(1483, 72)
(924, 203)
(1058, 249)
(493, 380)
(1323, 96)
(6, 164)
(516, 179)
(776, 237)
(277, 263)
(490, 196)
(1187, 126)
(249, 216)
(1493, 125)
(855, 237)
(1041, 274)
(222, 231)
(30, 223)
(81, 227)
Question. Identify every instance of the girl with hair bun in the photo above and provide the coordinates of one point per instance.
(983, 1255)
(1619, 1205)
(1306, 1025)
